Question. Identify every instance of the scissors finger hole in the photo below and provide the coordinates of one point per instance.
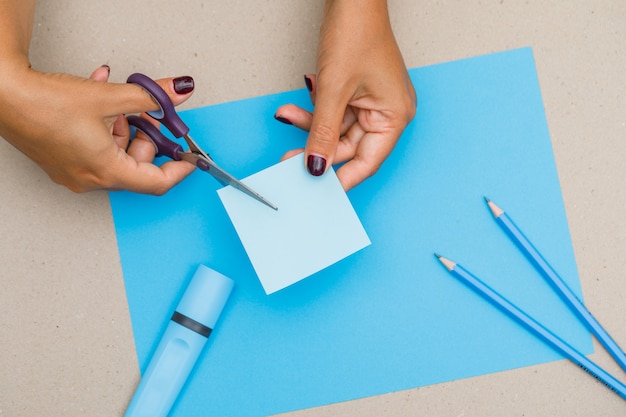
(156, 114)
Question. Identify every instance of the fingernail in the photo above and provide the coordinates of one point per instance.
(107, 68)
(183, 85)
(316, 165)
(309, 84)
(282, 119)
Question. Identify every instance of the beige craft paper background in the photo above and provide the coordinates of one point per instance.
(66, 346)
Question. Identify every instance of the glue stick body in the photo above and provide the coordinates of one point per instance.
(181, 344)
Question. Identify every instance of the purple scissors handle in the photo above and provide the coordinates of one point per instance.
(162, 145)
(166, 114)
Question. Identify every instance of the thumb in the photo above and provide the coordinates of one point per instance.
(321, 145)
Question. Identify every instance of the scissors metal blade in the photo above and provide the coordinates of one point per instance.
(194, 148)
(223, 177)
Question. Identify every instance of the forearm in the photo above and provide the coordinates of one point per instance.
(16, 25)
(351, 29)
(357, 4)
(368, 12)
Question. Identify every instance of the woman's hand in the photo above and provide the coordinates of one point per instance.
(362, 93)
(75, 130)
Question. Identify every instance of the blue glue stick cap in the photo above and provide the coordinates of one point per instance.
(205, 296)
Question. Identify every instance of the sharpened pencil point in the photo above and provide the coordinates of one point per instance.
(446, 262)
(495, 210)
(486, 199)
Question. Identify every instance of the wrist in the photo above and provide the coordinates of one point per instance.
(14, 70)
(13, 67)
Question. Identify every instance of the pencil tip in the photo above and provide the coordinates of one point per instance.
(446, 262)
(495, 210)
(437, 255)
(487, 200)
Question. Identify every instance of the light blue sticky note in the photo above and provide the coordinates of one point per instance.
(389, 317)
(314, 226)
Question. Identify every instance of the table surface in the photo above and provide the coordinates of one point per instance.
(67, 346)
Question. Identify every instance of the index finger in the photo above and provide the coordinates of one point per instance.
(117, 99)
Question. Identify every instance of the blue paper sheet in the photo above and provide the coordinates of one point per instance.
(389, 317)
(314, 227)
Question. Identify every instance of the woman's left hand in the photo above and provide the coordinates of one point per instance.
(362, 93)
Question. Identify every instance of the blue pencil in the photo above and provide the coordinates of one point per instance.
(557, 283)
(533, 326)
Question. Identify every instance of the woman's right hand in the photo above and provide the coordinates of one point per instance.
(75, 130)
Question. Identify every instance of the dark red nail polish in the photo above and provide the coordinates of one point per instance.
(309, 84)
(183, 85)
(316, 165)
(282, 119)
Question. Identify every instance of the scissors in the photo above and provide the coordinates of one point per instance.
(165, 147)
